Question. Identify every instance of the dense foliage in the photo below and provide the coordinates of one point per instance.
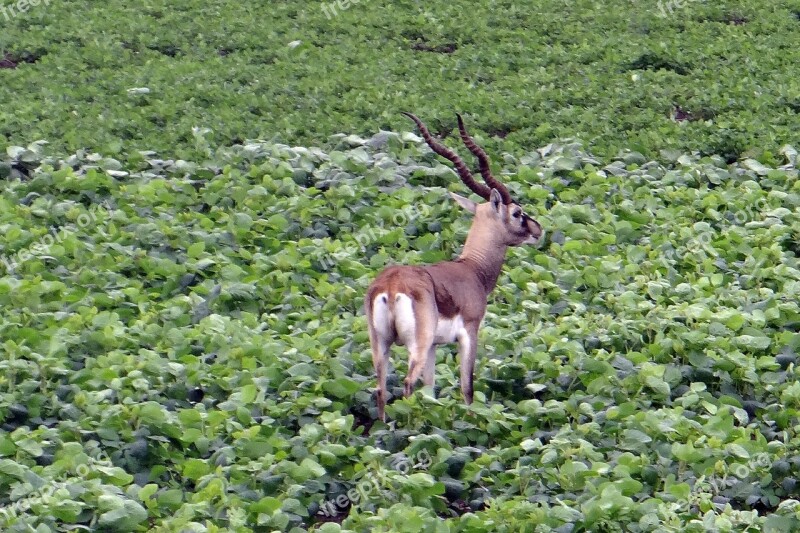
(117, 77)
(182, 343)
(187, 351)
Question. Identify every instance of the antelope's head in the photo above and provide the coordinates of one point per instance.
(500, 217)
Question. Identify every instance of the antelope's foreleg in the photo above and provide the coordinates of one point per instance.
(467, 350)
(430, 367)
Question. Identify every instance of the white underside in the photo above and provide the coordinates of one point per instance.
(402, 320)
(449, 329)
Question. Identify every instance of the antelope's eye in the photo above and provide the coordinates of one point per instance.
(516, 214)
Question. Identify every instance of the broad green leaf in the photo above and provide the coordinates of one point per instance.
(125, 518)
(196, 249)
(194, 469)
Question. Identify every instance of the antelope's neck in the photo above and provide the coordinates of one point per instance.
(486, 256)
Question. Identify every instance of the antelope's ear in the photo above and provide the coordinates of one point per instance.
(466, 203)
(496, 200)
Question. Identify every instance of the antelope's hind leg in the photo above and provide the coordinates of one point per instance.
(380, 360)
(416, 326)
(419, 366)
(381, 337)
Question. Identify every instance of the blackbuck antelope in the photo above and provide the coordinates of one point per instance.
(424, 306)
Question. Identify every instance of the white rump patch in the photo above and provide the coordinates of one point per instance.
(382, 316)
(449, 329)
(404, 321)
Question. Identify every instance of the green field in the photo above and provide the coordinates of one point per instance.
(182, 339)
(609, 73)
